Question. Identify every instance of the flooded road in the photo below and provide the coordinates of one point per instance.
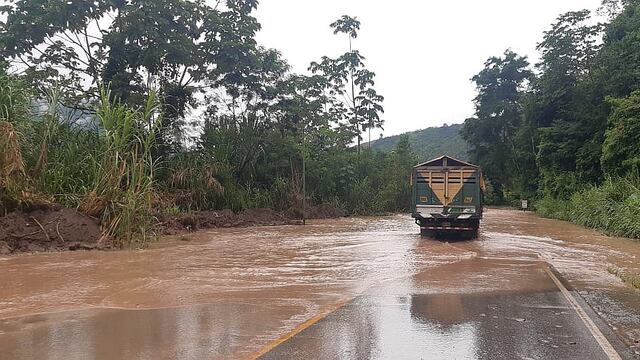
(347, 288)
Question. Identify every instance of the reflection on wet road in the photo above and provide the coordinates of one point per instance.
(510, 323)
(245, 292)
(446, 327)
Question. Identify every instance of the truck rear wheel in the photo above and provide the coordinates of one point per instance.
(475, 225)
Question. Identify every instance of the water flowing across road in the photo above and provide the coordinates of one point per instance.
(234, 293)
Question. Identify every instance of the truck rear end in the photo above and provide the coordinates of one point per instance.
(448, 196)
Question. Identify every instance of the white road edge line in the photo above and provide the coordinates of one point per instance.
(600, 338)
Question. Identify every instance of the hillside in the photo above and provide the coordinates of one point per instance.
(430, 143)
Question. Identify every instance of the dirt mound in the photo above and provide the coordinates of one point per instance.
(258, 217)
(325, 211)
(52, 229)
(171, 225)
(322, 211)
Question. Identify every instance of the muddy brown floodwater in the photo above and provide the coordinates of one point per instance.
(233, 293)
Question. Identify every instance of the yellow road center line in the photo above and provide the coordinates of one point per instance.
(298, 329)
(597, 334)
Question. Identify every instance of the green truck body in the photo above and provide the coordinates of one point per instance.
(448, 196)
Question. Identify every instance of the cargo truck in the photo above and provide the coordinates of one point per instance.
(448, 196)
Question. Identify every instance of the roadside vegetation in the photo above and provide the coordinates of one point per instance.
(133, 111)
(630, 279)
(565, 133)
(612, 207)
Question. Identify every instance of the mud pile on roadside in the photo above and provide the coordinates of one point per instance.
(325, 211)
(171, 225)
(55, 228)
(322, 211)
(176, 224)
(49, 229)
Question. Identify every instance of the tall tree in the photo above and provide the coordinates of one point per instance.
(58, 43)
(621, 153)
(617, 75)
(350, 84)
(566, 106)
(244, 110)
(491, 132)
(170, 46)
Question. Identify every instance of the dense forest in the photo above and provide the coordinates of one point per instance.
(124, 109)
(566, 131)
(429, 143)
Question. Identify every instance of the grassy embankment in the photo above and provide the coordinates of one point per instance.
(613, 207)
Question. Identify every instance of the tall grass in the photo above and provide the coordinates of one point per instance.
(15, 100)
(14, 109)
(11, 168)
(124, 170)
(613, 207)
(68, 175)
(192, 180)
(61, 144)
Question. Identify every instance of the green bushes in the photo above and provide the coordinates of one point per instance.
(192, 177)
(613, 207)
(362, 199)
(14, 98)
(68, 175)
(553, 208)
(269, 172)
(364, 184)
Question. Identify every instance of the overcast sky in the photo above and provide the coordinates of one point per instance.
(423, 52)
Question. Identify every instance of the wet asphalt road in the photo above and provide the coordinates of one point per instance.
(354, 288)
(531, 326)
(481, 325)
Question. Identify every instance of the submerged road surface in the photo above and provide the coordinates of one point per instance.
(528, 288)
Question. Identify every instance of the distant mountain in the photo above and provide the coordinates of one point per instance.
(430, 143)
